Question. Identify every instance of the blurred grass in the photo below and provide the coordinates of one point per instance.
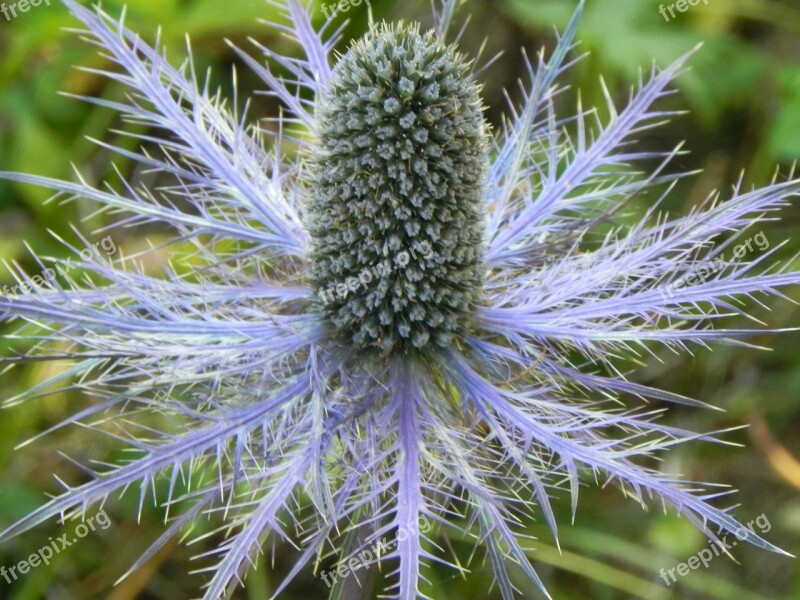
(744, 95)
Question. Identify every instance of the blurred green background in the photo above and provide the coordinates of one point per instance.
(744, 96)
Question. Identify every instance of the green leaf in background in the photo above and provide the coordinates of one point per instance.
(784, 136)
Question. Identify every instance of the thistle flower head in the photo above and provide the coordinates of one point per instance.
(247, 396)
(398, 176)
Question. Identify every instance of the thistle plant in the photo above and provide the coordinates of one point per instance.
(285, 376)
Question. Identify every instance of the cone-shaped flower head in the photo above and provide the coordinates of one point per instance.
(397, 192)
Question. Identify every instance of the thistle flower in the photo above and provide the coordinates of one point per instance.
(401, 162)
(304, 385)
